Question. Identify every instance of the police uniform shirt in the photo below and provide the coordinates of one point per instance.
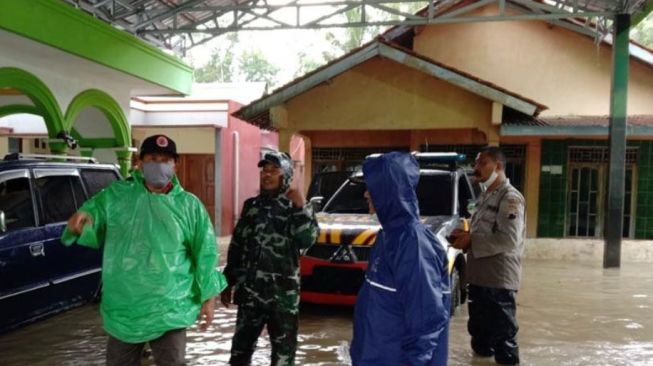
(497, 239)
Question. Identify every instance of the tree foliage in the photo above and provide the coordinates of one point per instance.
(643, 32)
(254, 66)
(221, 64)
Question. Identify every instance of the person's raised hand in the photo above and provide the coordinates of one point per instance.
(296, 197)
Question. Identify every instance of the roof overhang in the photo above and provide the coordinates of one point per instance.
(561, 131)
(408, 58)
(58, 25)
(637, 125)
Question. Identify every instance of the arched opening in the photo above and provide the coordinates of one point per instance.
(28, 102)
(22, 127)
(100, 127)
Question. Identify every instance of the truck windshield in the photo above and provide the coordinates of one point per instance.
(434, 193)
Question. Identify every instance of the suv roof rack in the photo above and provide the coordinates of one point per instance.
(19, 156)
(449, 160)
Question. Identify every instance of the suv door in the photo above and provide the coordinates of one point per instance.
(22, 260)
(74, 271)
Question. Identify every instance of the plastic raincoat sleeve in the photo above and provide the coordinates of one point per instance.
(92, 236)
(419, 289)
(509, 229)
(234, 271)
(304, 228)
(204, 252)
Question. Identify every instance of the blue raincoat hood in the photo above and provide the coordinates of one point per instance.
(391, 180)
(402, 309)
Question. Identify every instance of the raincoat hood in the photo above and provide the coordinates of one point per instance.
(283, 161)
(391, 180)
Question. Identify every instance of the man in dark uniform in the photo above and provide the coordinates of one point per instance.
(494, 249)
(263, 263)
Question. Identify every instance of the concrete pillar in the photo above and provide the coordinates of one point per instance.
(617, 165)
(532, 185)
(4, 146)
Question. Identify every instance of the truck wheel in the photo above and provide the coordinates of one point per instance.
(456, 296)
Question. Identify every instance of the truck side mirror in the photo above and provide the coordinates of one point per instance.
(316, 203)
(3, 222)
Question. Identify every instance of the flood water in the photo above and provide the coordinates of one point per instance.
(569, 314)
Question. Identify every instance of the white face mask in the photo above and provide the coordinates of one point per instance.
(490, 180)
(158, 174)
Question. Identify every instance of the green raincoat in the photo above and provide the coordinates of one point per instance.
(160, 258)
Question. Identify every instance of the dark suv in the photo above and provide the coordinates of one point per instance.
(333, 269)
(39, 276)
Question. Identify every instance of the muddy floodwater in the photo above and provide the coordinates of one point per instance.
(569, 314)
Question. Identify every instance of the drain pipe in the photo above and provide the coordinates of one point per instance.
(236, 172)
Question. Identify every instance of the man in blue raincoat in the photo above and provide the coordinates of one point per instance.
(402, 310)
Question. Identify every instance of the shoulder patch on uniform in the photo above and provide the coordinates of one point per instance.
(513, 205)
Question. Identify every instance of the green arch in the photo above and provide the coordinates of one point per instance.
(111, 109)
(7, 110)
(108, 106)
(44, 101)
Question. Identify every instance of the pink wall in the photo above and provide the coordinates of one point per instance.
(250, 151)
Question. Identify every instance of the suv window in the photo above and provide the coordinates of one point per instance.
(349, 199)
(96, 180)
(16, 202)
(61, 196)
(434, 194)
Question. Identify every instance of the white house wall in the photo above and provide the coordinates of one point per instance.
(186, 118)
(92, 123)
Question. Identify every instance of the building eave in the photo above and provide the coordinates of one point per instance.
(58, 25)
(406, 57)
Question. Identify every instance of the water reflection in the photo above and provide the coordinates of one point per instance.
(570, 314)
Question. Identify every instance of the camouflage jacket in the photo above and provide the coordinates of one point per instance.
(263, 257)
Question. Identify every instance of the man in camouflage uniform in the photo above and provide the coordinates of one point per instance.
(494, 248)
(263, 263)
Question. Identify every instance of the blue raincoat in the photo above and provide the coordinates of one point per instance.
(402, 310)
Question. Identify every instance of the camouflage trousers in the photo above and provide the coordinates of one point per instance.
(282, 328)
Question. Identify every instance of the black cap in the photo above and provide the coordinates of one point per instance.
(160, 144)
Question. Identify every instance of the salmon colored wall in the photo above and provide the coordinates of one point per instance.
(383, 95)
(250, 148)
(557, 67)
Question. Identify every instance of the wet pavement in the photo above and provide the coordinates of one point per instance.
(570, 313)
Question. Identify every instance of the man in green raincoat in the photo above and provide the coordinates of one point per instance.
(159, 266)
(263, 263)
